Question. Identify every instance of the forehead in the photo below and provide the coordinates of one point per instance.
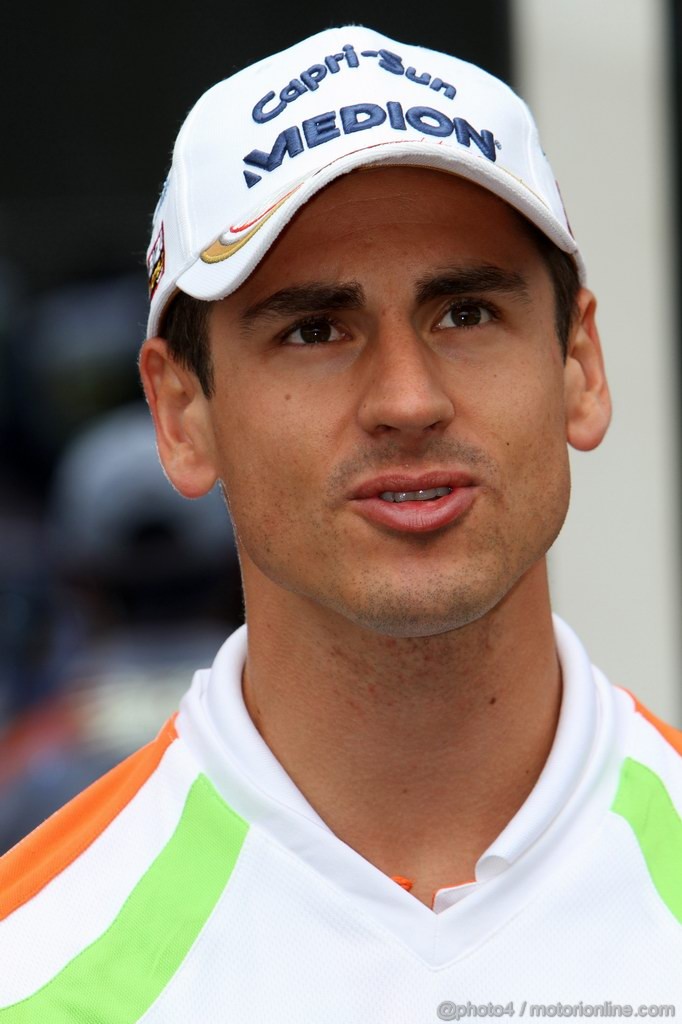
(372, 219)
(378, 180)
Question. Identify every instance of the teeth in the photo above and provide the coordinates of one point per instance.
(433, 492)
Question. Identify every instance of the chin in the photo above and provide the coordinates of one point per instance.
(399, 614)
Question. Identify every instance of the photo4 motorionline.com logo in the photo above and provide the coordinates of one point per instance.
(448, 1010)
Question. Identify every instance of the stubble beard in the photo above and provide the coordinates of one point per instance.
(415, 601)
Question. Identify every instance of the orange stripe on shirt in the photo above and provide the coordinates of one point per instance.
(672, 735)
(404, 883)
(55, 844)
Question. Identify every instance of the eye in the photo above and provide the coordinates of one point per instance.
(466, 314)
(317, 331)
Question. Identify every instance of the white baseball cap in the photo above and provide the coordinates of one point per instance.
(258, 145)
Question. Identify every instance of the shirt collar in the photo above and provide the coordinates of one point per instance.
(238, 754)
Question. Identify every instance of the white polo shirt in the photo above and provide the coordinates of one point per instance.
(197, 884)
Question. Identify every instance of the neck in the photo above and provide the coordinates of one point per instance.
(415, 751)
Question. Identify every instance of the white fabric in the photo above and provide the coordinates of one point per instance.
(80, 903)
(285, 946)
(575, 790)
(306, 930)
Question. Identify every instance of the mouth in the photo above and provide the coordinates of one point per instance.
(430, 494)
(415, 504)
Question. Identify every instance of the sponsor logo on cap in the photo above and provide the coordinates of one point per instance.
(224, 247)
(156, 262)
(359, 117)
(309, 80)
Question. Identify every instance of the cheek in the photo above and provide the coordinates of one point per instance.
(527, 421)
(272, 458)
(542, 471)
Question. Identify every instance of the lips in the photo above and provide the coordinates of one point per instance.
(415, 504)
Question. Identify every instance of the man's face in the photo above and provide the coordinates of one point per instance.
(398, 338)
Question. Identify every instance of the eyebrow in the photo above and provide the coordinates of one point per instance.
(318, 297)
(463, 280)
(309, 298)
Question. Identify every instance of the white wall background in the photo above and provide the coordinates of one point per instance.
(595, 74)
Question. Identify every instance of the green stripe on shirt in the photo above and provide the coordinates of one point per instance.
(117, 978)
(643, 801)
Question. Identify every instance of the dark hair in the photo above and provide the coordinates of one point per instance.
(185, 328)
(185, 325)
(563, 271)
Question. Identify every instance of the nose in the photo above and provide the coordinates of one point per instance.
(404, 388)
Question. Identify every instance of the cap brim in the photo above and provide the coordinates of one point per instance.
(228, 261)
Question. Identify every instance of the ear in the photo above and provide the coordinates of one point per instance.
(181, 416)
(586, 391)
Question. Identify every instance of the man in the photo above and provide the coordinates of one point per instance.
(405, 795)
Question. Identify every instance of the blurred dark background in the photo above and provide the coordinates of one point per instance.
(113, 589)
(104, 88)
